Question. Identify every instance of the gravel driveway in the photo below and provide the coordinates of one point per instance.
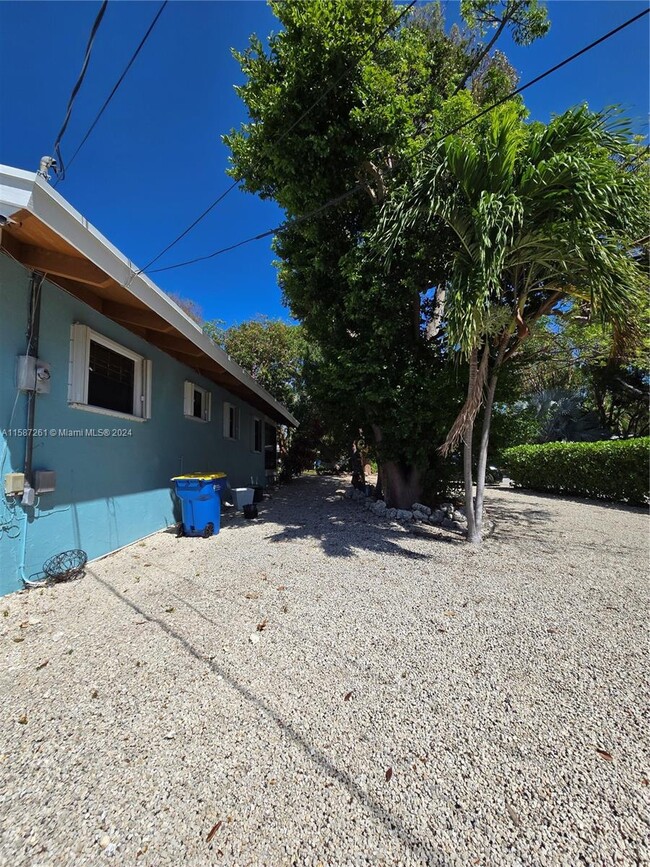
(320, 687)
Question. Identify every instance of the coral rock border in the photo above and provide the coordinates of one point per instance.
(446, 515)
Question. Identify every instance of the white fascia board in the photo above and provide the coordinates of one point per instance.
(15, 190)
(28, 190)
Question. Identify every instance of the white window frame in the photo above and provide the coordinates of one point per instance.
(226, 421)
(79, 369)
(188, 402)
(257, 420)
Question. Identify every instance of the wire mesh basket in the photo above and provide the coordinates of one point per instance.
(65, 566)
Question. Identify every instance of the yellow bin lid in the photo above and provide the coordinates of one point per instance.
(206, 476)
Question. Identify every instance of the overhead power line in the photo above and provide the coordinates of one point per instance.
(353, 190)
(75, 90)
(115, 87)
(286, 132)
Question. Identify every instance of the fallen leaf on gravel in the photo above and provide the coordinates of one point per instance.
(24, 625)
(552, 630)
(213, 831)
(23, 719)
(139, 622)
(605, 755)
(645, 781)
(440, 629)
(347, 696)
(282, 587)
(94, 694)
(20, 638)
(513, 815)
(450, 613)
(170, 609)
(252, 595)
(261, 625)
(170, 735)
(42, 664)
(389, 774)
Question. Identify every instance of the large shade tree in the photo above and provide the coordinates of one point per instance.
(335, 106)
(540, 215)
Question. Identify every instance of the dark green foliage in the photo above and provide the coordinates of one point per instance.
(609, 470)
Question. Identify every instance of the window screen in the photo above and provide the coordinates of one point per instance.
(111, 379)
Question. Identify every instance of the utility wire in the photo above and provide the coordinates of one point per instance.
(115, 88)
(286, 132)
(75, 90)
(351, 192)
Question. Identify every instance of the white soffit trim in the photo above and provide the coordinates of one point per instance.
(29, 191)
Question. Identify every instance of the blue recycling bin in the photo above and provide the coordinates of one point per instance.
(200, 495)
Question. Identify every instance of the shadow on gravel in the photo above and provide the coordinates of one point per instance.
(309, 508)
(422, 849)
(514, 523)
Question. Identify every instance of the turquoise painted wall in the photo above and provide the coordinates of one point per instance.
(110, 491)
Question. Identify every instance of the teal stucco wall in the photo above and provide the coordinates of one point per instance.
(110, 491)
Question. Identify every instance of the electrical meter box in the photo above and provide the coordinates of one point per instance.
(32, 374)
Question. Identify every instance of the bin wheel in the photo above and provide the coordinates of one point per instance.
(179, 530)
(208, 530)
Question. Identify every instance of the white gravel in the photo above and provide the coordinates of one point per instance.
(410, 700)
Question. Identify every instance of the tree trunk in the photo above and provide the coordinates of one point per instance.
(483, 454)
(402, 485)
(468, 438)
(473, 535)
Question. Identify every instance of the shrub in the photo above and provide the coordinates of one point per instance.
(609, 470)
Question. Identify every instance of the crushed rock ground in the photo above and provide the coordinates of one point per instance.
(319, 686)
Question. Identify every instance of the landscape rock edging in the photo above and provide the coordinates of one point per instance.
(446, 516)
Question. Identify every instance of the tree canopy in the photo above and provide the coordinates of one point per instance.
(333, 107)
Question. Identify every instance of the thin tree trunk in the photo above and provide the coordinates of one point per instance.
(483, 453)
(468, 436)
(473, 535)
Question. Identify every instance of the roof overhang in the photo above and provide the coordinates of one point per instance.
(47, 235)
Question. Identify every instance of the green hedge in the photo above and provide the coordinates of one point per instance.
(609, 470)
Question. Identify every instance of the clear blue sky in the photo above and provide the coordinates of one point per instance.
(155, 160)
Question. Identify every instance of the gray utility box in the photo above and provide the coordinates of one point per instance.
(44, 481)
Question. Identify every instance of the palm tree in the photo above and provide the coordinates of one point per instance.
(540, 217)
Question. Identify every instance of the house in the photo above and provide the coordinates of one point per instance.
(107, 390)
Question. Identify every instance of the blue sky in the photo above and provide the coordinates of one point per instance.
(155, 160)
